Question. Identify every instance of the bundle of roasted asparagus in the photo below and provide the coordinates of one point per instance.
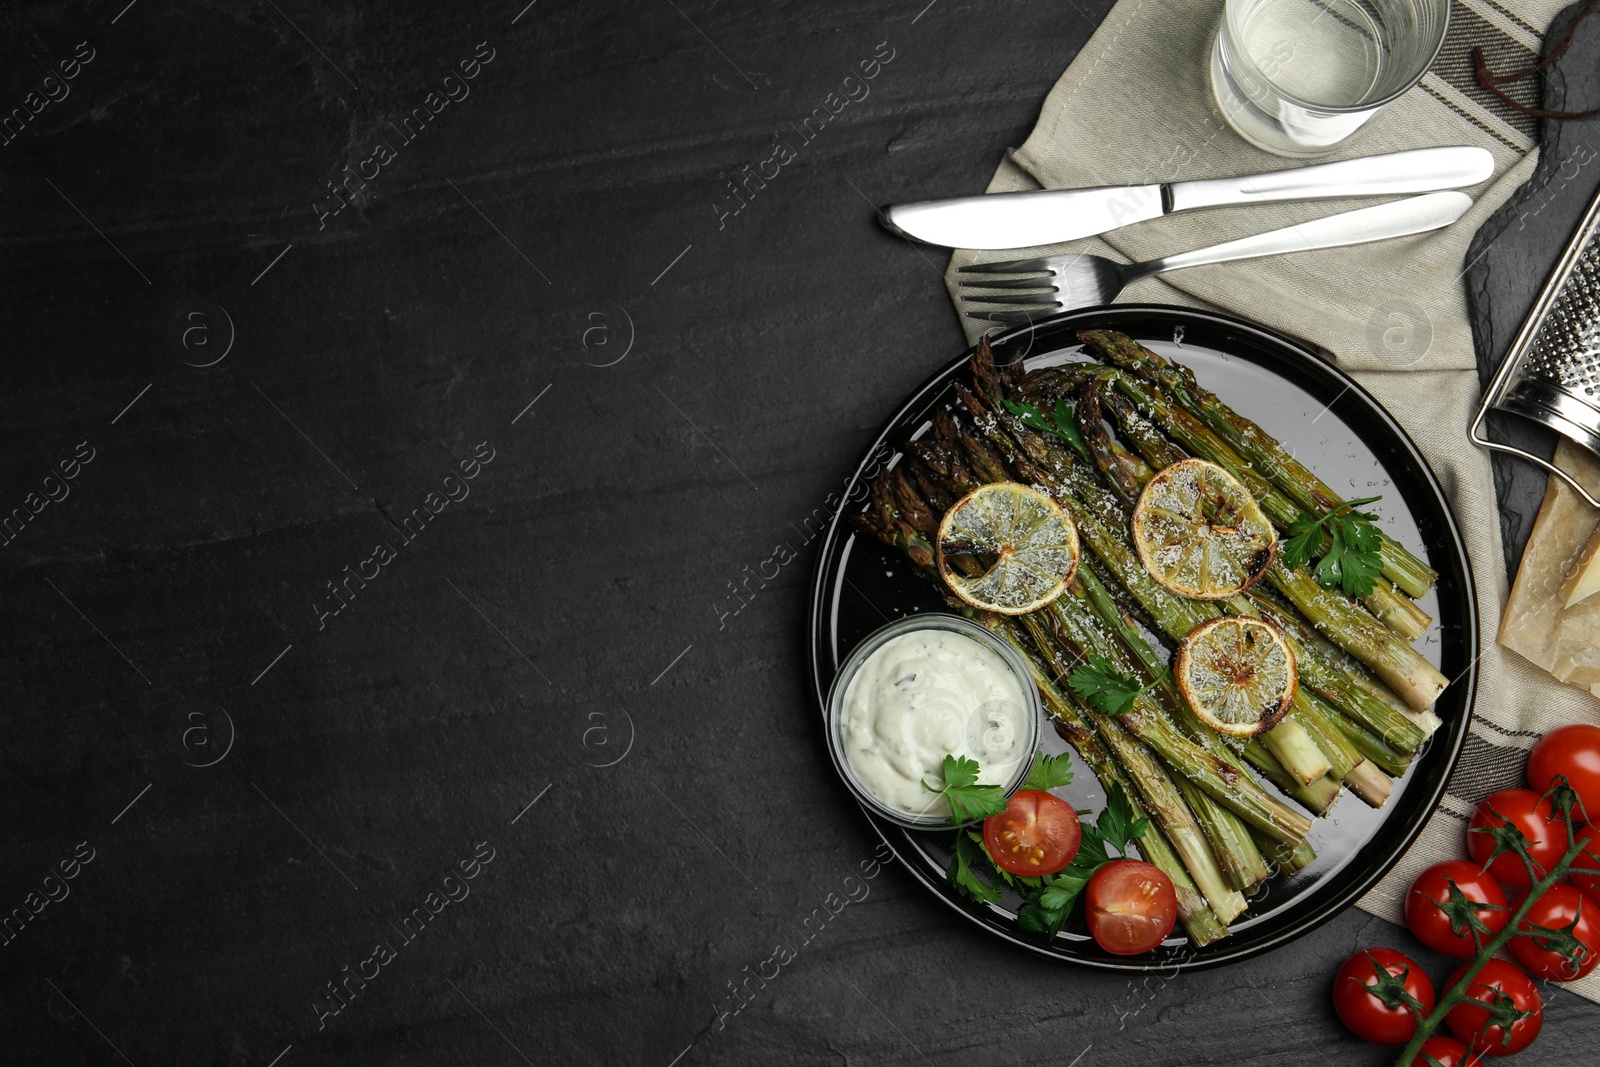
(1362, 707)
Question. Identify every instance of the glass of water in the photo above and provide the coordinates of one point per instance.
(1296, 77)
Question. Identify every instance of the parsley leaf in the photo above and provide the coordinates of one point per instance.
(1066, 427)
(1092, 849)
(1063, 889)
(1352, 562)
(971, 870)
(1020, 882)
(1049, 772)
(1063, 423)
(1034, 918)
(1044, 911)
(1098, 682)
(967, 799)
(1116, 824)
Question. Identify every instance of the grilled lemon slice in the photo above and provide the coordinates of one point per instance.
(1200, 533)
(1238, 674)
(1022, 542)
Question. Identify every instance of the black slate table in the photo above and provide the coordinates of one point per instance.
(400, 592)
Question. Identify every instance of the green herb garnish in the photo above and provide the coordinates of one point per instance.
(1044, 911)
(1116, 825)
(971, 871)
(1352, 562)
(1098, 682)
(1049, 772)
(967, 799)
(1063, 423)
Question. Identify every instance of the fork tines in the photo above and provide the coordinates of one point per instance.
(1009, 266)
(1045, 282)
(1017, 318)
(1042, 289)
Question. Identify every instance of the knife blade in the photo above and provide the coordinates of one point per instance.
(1050, 216)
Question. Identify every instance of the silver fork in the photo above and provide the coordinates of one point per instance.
(1083, 280)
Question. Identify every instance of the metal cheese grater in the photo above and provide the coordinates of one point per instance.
(1552, 373)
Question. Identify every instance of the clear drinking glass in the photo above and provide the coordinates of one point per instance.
(1296, 77)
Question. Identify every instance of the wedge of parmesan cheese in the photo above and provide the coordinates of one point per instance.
(1583, 579)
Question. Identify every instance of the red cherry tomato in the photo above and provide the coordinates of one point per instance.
(1385, 1019)
(1587, 860)
(1038, 833)
(1434, 926)
(1447, 1051)
(1498, 980)
(1522, 809)
(1574, 753)
(1130, 907)
(1559, 907)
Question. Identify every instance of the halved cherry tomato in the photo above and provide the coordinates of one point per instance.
(1446, 1051)
(1436, 927)
(1498, 981)
(1130, 906)
(1587, 860)
(1561, 906)
(1574, 753)
(1523, 809)
(1387, 1019)
(1038, 833)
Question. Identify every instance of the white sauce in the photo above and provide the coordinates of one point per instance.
(923, 695)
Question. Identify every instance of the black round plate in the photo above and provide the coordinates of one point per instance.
(1334, 427)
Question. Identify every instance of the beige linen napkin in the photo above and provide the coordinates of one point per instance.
(1136, 107)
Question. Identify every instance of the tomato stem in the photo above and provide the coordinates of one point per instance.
(1457, 994)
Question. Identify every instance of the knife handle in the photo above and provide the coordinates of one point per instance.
(1418, 171)
(1398, 218)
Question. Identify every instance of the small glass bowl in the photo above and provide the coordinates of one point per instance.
(876, 640)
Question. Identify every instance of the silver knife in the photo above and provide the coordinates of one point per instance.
(1022, 220)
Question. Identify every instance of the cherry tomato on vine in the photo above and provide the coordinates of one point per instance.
(1515, 992)
(1574, 753)
(1370, 995)
(1447, 1051)
(1588, 860)
(1130, 906)
(1447, 928)
(1038, 833)
(1523, 809)
(1561, 906)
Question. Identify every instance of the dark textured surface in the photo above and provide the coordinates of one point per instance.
(701, 389)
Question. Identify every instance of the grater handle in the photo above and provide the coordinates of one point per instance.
(1478, 438)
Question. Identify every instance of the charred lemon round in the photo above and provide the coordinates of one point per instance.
(1200, 533)
(1024, 546)
(1238, 674)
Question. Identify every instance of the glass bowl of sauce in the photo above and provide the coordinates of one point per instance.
(921, 688)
